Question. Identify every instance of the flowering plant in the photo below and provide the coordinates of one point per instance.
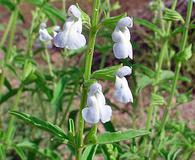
(88, 129)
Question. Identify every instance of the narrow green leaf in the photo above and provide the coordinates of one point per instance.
(172, 15)
(48, 9)
(54, 11)
(145, 70)
(28, 145)
(8, 4)
(6, 96)
(181, 29)
(47, 153)
(142, 82)
(47, 126)
(111, 137)
(112, 20)
(35, 2)
(185, 55)
(28, 69)
(85, 18)
(91, 137)
(40, 82)
(166, 74)
(158, 100)
(148, 25)
(89, 152)
(58, 92)
(2, 151)
(19, 152)
(108, 73)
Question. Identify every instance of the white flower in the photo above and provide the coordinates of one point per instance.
(122, 91)
(121, 36)
(96, 109)
(71, 37)
(44, 36)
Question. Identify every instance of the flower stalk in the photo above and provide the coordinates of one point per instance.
(87, 74)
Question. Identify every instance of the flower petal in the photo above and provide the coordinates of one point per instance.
(60, 39)
(74, 11)
(91, 115)
(126, 34)
(124, 71)
(94, 88)
(100, 98)
(75, 41)
(44, 36)
(91, 100)
(105, 113)
(122, 50)
(117, 35)
(122, 91)
(70, 38)
(125, 22)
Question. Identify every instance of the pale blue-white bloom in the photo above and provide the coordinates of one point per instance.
(121, 36)
(71, 37)
(96, 109)
(122, 91)
(44, 37)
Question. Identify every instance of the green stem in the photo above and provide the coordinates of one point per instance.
(32, 34)
(2, 152)
(1, 81)
(7, 29)
(49, 62)
(10, 129)
(63, 5)
(161, 16)
(87, 74)
(178, 66)
(109, 9)
(12, 33)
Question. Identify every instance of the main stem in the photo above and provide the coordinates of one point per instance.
(178, 66)
(87, 74)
